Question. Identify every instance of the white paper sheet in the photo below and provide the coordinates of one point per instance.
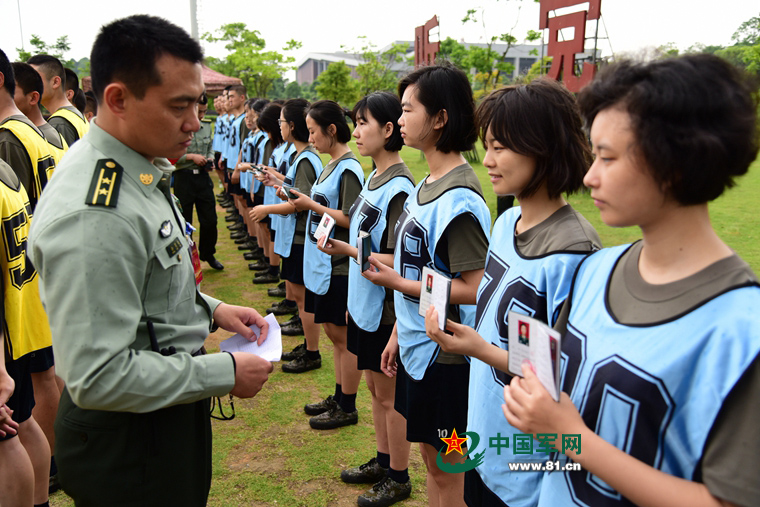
(271, 349)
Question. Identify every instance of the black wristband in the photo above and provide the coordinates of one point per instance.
(234, 364)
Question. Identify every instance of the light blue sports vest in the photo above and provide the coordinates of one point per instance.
(246, 155)
(418, 231)
(220, 131)
(653, 391)
(286, 226)
(232, 146)
(369, 214)
(278, 159)
(317, 265)
(531, 286)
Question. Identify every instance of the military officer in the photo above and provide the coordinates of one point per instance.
(117, 281)
(193, 187)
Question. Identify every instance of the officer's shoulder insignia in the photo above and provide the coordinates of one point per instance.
(106, 180)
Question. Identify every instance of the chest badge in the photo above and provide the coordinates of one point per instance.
(146, 178)
(166, 229)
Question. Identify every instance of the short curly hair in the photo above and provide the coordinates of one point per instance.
(693, 118)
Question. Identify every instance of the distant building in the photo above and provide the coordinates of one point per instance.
(308, 69)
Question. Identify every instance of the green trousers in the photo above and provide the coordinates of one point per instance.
(127, 459)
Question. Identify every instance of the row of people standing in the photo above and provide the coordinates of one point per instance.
(30, 150)
(537, 263)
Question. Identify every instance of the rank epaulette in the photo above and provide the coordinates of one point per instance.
(104, 188)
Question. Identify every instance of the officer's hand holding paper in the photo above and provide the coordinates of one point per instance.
(271, 349)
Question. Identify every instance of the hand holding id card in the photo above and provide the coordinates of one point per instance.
(325, 227)
(533, 340)
(435, 290)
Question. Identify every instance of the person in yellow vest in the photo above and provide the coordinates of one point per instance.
(29, 89)
(22, 145)
(24, 461)
(66, 118)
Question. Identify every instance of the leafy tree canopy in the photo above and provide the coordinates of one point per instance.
(248, 59)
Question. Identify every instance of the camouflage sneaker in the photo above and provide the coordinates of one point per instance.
(368, 473)
(385, 493)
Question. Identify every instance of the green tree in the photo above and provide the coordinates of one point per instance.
(57, 49)
(248, 59)
(454, 52)
(336, 83)
(376, 72)
(488, 63)
(293, 90)
(748, 33)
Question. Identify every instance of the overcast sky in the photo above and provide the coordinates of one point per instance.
(325, 26)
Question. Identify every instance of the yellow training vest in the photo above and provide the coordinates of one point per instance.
(39, 150)
(26, 327)
(77, 121)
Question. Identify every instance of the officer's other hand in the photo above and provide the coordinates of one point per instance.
(238, 319)
(251, 371)
(197, 159)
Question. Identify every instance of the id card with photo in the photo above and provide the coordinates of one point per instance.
(533, 340)
(287, 191)
(435, 290)
(325, 227)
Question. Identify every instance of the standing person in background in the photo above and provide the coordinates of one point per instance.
(133, 426)
(371, 314)
(193, 187)
(537, 151)
(325, 276)
(66, 118)
(29, 90)
(304, 168)
(24, 448)
(445, 226)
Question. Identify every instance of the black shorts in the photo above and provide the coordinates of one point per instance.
(329, 307)
(258, 200)
(41, 360)
(248, 201)
(477, 494)
(367, 346)
(22, 399)
(435, 404)
(235, 189)
(292, 266)
(266, 221)
(271, 231)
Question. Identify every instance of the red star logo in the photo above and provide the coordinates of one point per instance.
(454, 442)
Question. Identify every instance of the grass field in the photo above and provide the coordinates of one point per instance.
(268, 455)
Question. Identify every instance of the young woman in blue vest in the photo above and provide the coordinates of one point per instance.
(371, 313)
(325, 276)
(268, 122)
(303, 170)
(537, 151)
(242, 175)
(661, 375)
(445, 226)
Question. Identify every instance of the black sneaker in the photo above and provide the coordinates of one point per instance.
(251, 256)
(302, 364)
(259, 265)
(385, 493)
(368, 473)
(250, 246)
(237, 226)
(266, 277)
(298, 351)
(281, 308)
(241, 234)
(320, 407)
(231, 217)
(277, 292)
(242, 239)
(334, 418)
(292, 328)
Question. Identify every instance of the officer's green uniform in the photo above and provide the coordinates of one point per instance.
(193, 187)
(113, 258)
